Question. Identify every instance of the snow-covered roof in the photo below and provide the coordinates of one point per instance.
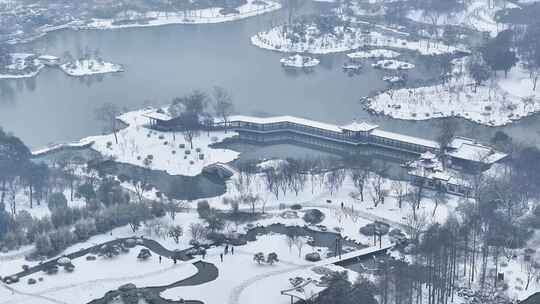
(468, 149)
(359, 127)
(158, 115)
(282, 119)
(406, 138)
(306, 291)
(428, 155)
(330, 127)
(48, 57)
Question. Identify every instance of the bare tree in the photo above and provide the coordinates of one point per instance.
(223, 106)
(107, 113)
(142, 183)
(334, 180)
(359, 177)
(299, 242)
(416, 223)
(197, 232)
(378, 193)
(447, 130)
(399, 190)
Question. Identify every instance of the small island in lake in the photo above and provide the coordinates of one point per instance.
(90, 66)
(19, 65)
(299, 61)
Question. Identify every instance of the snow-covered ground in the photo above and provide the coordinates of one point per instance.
(478, 15)
(376, 53)
(299, 61)
(18, 65)
(92, 279)
(84, 67)
(42, 210)
(136, 142)
(498, 102)
(202, 16)
(280, 38)
(316, 195)
(391, 64)
(232, 288)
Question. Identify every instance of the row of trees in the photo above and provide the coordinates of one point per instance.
(488, 231)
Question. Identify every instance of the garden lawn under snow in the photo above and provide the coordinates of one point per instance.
(241, 280)
(19, 67)
(283, 39)
(496, 103)
(207, 15)
(92, 279)
(136, 142)
(315, 195)
(478, 15)
(85, 67)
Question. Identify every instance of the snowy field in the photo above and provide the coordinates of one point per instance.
(92, 279)
(202, 16)
(16, 68)
(499, 102)
(86, 67)
(281, 39)
(478, 15)
(232, 288)
(136, 142)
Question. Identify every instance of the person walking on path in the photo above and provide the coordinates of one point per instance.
(232, 250)
(160, 259)
(203, 254)
(221, 256)
(226, 249)
(342, 205)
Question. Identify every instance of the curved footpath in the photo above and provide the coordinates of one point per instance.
(148, 243)
(206, 272)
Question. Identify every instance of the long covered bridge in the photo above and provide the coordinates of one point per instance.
(356, 134)
(354, 138)
(349, 138)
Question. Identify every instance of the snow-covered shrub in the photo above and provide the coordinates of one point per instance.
(313, 216)
(182, 146)
(32, 281)
(296, 207)
(376, 228)
(272, 258)
(313, 257)
(144, 254)
(91, 258)
(259, 257)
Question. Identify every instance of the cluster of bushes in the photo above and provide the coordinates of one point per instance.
(67, 226)
(313, 216)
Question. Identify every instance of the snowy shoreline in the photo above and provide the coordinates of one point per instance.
(158, 18)
(87, 67)
(281, 39)
(16, 70)
(496, 104)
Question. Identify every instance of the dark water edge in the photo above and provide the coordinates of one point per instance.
(174, 186)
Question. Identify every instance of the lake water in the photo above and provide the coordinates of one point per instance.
(164, 62)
